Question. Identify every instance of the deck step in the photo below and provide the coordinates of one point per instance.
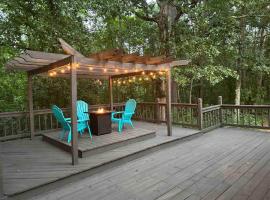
(106, 161)
(85, 147)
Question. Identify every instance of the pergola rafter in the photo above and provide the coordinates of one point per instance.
(109, 64)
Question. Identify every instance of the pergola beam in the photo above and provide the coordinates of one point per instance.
(69, 49)
(51, 66)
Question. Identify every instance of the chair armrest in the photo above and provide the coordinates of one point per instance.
(78, 121)
(119, 112)
(129, 113)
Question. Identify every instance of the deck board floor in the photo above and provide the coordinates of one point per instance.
(29, 163)
(227, 163)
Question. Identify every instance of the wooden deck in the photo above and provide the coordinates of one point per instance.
(225, 164)
(39, 166)
(101, 143)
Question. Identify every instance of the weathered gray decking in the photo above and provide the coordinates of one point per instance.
(28, 164)
(227, 163)
(101, 143)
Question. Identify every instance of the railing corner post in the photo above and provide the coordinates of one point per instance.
(200, 114)
(220, 110)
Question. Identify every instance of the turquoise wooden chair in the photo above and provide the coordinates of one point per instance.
(83, 116)
(126, 115)
(66, 123)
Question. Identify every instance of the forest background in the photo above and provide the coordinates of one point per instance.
(227, 41)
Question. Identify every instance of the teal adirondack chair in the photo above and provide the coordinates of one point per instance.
(125, 115)
(66, 123)
(83, 116)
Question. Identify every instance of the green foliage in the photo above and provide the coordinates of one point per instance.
(225, 40)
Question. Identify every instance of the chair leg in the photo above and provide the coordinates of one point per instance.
(69, 136)
(120, 126)
(131, 124)
(89, 131)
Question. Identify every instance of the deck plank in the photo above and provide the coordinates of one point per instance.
(227, 163)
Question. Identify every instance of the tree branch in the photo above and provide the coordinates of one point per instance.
(146, 17)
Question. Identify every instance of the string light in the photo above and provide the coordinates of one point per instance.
(143, 73)
(116, 70)
(68, 67)
(126, 71)
(90, 68)
(105, 70)
(136, 70)
(151, 73)
(146, 78)
(114, 82)
(50, 74)
(140, 79)
(160, 72)
(130, 80)
(154, 76)
(124, 82)
(134, 78)
(63, 71)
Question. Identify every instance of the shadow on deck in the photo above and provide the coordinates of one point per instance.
(31, 167)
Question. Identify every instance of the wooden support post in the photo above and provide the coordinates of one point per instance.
(2, 197)
(157, 111)
(220, 110)
(30, 105)
(169, 104)
(200, 114)
(111, 92)
(74, 143)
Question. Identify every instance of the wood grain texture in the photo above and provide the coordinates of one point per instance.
(28, 164)
(228, 163)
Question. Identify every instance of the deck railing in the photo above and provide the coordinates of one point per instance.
(16, 124)
(251, 116)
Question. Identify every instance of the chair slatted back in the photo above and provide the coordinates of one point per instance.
(58, 113)
(129, 109)
(82, 107)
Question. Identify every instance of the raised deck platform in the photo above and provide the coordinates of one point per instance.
(102, 143)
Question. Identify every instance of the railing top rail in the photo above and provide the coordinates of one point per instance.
(211, 108)
(13, 114)
(244, 106)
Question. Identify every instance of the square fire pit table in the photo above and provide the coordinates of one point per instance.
(100, 122)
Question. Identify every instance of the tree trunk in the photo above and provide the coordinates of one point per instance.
(238, 89)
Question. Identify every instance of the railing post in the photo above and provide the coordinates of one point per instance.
(220, 110)
(157, 111)
(200, 114)
(30, 105)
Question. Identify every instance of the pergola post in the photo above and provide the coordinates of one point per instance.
(30, 105)
(111, 93)
(74, 142)
(169, 104)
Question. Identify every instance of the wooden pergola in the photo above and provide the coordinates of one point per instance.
(103, 65)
